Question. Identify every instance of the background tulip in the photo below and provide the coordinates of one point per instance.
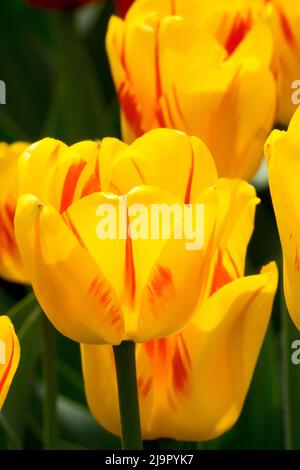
(192, 385)
(181, 65)
(285, 26)
(282, 150)
(126, 284)
(11, 267)
(122, 7)
(9, 356)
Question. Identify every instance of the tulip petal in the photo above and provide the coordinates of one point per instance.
(10, 262)
(192, 385)
(282, 150)
(203, 381)
(9, 356)
(239, 226)
(160, 152)
(71, 289)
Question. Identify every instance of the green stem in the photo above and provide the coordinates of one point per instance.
(128, 396)
(50, 381)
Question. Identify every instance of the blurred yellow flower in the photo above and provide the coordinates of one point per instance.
(285, 25)
(11, 267)
(198, 66)
(9, 356)
(282, 152)
(192, 385)
(109, 290)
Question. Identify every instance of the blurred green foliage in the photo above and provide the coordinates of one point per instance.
(59, 84)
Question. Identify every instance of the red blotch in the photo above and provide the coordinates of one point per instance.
(93, 185)
(99, 290)
(221, 276)
(240, 28)
(7, 235)
(70, 184)
(287, 30)
(180, 370)
(131, 108)
(160, 284)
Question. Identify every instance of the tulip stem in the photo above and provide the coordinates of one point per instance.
(128, 396)
(50, 387)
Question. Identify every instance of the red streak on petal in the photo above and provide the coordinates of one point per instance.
(160, 284)
(7, 235)
(130, 283)
(146, 388)
(173, 7)
(221, 276)
(93, 184)
(139, 171)
(70, 184)
(131, 108)
(67, 218)
(287, 30)
(159, 90)
(99, 290)
(178, 107)
(8, 367)
(239, 29)
(180, 373)
(187, 198)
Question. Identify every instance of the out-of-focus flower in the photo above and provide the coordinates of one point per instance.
(61, 4)
(282, 152)
(192, 385)
(108, 290)
(11, 267)
(9, 356)
(285, 24)
(201, 67)
(122, 6)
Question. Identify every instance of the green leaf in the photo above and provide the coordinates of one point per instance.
(20, 311)
(77, 111)
(16, 403)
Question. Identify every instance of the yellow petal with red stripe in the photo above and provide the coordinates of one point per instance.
(69, 285)
(191, 385)
(170, 160)
(9, 356)
(282, 151)
(11, 267)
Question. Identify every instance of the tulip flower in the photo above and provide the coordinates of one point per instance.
(200, 67)
(285, 24)
(106, 290)
(9, 356)
(282, 150)
(11, 267)
(60, 4)
(192, 385)
(122, 7)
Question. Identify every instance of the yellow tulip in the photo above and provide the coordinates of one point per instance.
(109, 290)
(199, 66)
(282, 151)
(9, 356)
(192, 385)
(285, 24)
(11, 267)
